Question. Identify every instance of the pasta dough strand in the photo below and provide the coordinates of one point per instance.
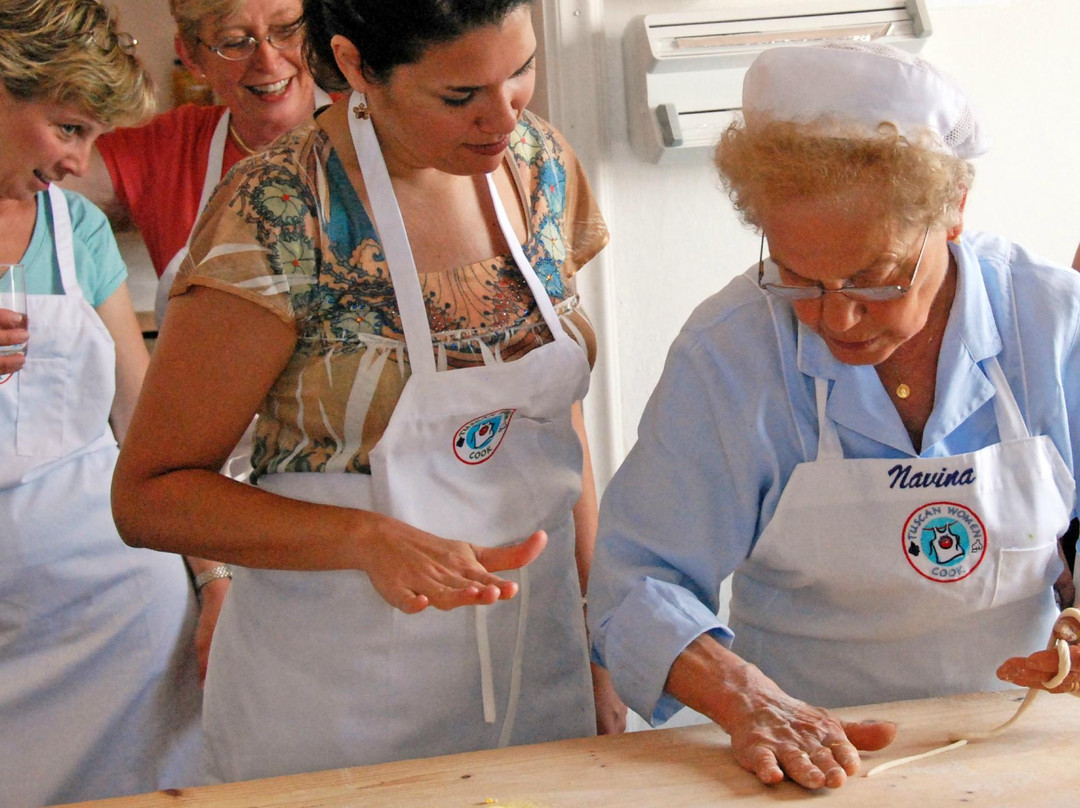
(1064, 668)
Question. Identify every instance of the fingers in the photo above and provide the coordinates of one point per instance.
(869, 736)
(816, 768)
(1039, 668)
(512, 556)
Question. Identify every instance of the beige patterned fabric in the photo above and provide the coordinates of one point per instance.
(287, 231)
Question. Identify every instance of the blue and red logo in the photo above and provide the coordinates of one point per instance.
(944, 541)
(477, 440)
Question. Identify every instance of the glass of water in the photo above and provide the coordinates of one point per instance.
(13, 298)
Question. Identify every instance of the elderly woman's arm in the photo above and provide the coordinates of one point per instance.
(217, 357)
(772, 734)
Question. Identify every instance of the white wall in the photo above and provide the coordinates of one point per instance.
(675, 238)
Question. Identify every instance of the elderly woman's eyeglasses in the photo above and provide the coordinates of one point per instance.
(106, 39)
(238, 48)
(863, 294)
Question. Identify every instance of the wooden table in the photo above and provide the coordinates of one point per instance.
(1034, 763)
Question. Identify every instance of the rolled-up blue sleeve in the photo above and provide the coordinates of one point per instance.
(684, 509)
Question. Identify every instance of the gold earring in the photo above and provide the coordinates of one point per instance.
(361, 111)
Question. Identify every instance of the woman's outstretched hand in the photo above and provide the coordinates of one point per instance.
(414, 569)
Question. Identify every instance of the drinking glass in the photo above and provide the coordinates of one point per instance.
(13, 297)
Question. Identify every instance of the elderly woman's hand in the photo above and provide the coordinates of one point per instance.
(1043, 667)
(772, 734)
(413, 569)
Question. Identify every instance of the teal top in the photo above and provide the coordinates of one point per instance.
(98, 264)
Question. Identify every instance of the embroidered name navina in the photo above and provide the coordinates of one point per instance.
(903, 478)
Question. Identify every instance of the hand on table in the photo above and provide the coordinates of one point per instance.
(773, 735)
(414, 569)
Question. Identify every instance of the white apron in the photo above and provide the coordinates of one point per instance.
(314, 670)
(99, 690)
(888, 579)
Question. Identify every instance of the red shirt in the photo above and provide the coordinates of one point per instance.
(157, 171)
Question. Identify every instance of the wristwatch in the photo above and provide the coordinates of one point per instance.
(212, 574)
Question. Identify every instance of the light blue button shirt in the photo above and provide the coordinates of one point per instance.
(734, 413)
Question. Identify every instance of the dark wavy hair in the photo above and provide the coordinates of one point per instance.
(388, 33)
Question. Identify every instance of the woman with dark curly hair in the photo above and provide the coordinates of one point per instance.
(99, 690)
(392, 290)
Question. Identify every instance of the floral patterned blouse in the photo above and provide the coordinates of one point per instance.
(287, 231)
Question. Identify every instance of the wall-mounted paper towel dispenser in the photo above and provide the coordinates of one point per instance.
(684, 71)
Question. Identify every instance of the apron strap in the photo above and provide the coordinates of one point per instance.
(1011, 424)
(395, 241)
(399, 257)
(64, 242)
(828, 440)
(543, 302)
(516, 664)
(215, 159)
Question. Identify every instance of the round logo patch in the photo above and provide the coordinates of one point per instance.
(944, 541)
(477, 440)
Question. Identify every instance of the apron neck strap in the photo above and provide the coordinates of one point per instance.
(64, 242)
(395, 241)
(215, 167)
(399, 257)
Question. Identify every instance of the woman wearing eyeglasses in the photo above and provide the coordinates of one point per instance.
(160, 175)
(874, 430)
(99, 692)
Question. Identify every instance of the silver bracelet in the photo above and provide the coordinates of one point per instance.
(212, 574)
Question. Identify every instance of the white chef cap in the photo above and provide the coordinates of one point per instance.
(862, 83)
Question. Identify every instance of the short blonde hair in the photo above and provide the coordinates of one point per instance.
(67, 51)
(917, 182)
(189, 15)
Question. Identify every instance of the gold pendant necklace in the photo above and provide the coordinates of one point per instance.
(240, 141)
(902, 390)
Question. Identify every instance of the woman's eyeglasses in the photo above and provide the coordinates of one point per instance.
(238, 48)
(863, 294)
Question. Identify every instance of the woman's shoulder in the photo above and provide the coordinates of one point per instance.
(86, 217)
(534, 140)
(291, 160)
(1029, 271)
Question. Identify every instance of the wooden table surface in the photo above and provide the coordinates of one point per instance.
(1034, 763)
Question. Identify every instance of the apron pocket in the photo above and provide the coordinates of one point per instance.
(1024, 572)
(39, 429)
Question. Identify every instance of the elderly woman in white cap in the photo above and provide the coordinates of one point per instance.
(875, 429)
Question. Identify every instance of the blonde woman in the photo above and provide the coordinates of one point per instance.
(99, 687)
(249, 52)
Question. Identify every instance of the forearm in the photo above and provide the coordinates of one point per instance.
(203, 514)
(714, 681)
